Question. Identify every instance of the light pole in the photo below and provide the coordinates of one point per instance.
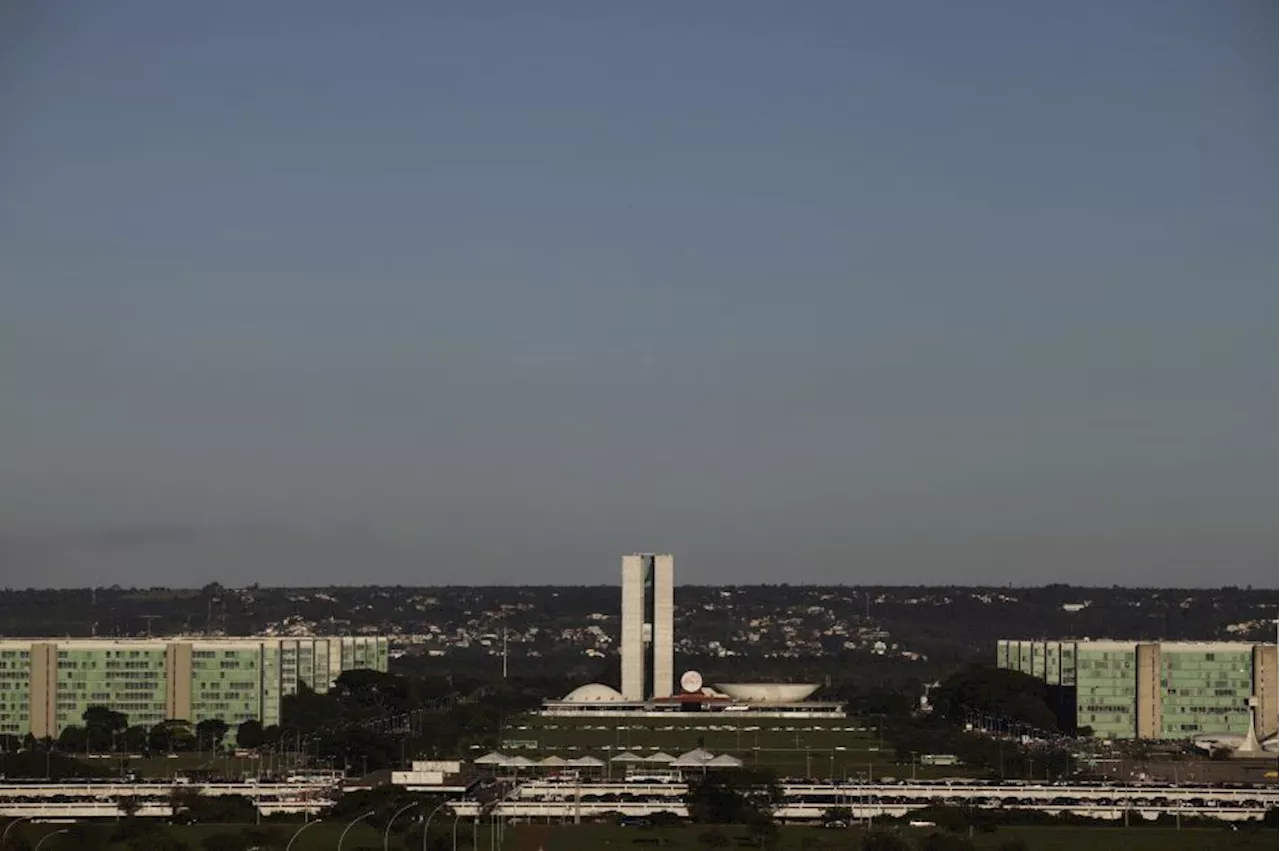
(456, 819)
(299, 830)
(426, 825)
(47, 835)
(8, 827)
(352, 824)
(386, 834)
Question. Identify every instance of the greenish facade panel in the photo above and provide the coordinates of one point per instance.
(232, 680)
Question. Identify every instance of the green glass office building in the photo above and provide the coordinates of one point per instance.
(1156, 690)
(47, 684)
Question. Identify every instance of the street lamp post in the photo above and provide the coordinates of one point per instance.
(8, 827)
(426, 825)
(289, 845)
(352, 824)
(386, 834)
(456, 819)
(47, 835)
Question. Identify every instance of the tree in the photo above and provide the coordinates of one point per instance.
(128, 805)
(732, 797)
(211, 730)
(135, 738)
(1007, 694)
(107, 719)
(219, 809)
(182, 800)
(171, 735)
(763, 828)
(102, 726)
(249, 734)
(73, 740)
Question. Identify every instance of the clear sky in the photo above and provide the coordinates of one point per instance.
(862, 292)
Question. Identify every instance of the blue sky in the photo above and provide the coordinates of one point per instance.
(494, 292)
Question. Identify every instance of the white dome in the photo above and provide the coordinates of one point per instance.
(594, 693)
(768, 692)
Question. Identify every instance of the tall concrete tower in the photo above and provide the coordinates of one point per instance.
(632, 647)
(664, 631)
(647, 619)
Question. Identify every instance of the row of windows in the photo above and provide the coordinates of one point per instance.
(1203, 692)
(117, 654)
(14, 654)
(227, 665)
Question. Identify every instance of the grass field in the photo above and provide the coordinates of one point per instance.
(584, 837)
(324, 837)
(822, 748)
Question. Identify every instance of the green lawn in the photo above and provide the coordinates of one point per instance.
(585, 837)
(324, 837)
(319, 837)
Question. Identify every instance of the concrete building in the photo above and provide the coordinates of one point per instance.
(1156, 690)
(648, 690)
(47, 684)
(648, 619)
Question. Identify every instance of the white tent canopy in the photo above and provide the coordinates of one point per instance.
(519, 762)
(723, 761)
(659, 757)
(492, 758)
(693, 759)
(586, 762)
(553, 761)
(627, 756)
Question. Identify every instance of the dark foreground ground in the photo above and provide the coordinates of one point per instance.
(324, 837)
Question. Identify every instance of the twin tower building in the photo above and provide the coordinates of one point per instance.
(648, 622)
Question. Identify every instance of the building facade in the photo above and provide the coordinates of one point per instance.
(648, 619)
(47, 684)
(1156, 690)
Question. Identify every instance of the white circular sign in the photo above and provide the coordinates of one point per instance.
(691, 681)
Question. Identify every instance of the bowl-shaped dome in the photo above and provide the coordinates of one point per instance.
(594, 693)
(768, 692)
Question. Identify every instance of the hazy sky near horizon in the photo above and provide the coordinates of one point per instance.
(909, 292)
